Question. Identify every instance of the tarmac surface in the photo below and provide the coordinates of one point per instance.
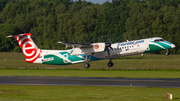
(85, 81)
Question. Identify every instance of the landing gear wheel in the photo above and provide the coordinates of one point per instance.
(110, 64)
(86, 65)
(167, 53)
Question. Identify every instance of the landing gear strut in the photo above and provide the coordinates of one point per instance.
(167, 52)
(110, 64)
(86, 65)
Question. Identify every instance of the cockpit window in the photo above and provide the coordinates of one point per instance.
(157, 40)
(161, 39)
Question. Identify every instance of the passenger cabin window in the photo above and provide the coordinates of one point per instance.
(158, 40)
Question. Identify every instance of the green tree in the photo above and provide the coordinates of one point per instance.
(7, 44)
(111, 21)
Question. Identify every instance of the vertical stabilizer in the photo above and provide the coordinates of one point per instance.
(29, 48)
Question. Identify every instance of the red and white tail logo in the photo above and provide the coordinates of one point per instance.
(28, 47)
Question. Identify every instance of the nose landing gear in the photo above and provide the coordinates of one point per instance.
(167, 52)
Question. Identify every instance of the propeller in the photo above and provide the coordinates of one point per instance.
(107, 46)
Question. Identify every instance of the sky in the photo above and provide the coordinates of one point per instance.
(96, 1)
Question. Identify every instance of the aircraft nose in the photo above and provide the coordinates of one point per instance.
(173, 46)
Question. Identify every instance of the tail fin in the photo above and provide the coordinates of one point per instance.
(29, 48)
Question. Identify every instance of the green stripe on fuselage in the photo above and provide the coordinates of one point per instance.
(72, 58)
(66, 58)
(164, 45)
(56, 60)
(153, 47)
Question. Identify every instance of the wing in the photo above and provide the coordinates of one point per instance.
(76, 45)
(80, 48)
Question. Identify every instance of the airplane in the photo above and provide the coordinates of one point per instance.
(82, 52)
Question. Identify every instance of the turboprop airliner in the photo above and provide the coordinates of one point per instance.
(81, 52)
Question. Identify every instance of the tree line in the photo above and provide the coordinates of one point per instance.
(51, 21)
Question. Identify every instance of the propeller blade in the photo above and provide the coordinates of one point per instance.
(111, 48)
(107, 46)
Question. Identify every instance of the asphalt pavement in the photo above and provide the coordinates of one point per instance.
(84, 81)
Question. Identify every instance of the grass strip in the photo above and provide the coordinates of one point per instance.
(91, 73)
(84, 93)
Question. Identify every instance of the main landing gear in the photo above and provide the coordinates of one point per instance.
(110, 64)
(87, 65)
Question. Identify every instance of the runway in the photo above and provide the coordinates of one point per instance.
(84, 81)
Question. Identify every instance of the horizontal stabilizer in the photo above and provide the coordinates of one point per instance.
(25, 34)
(10, 36)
